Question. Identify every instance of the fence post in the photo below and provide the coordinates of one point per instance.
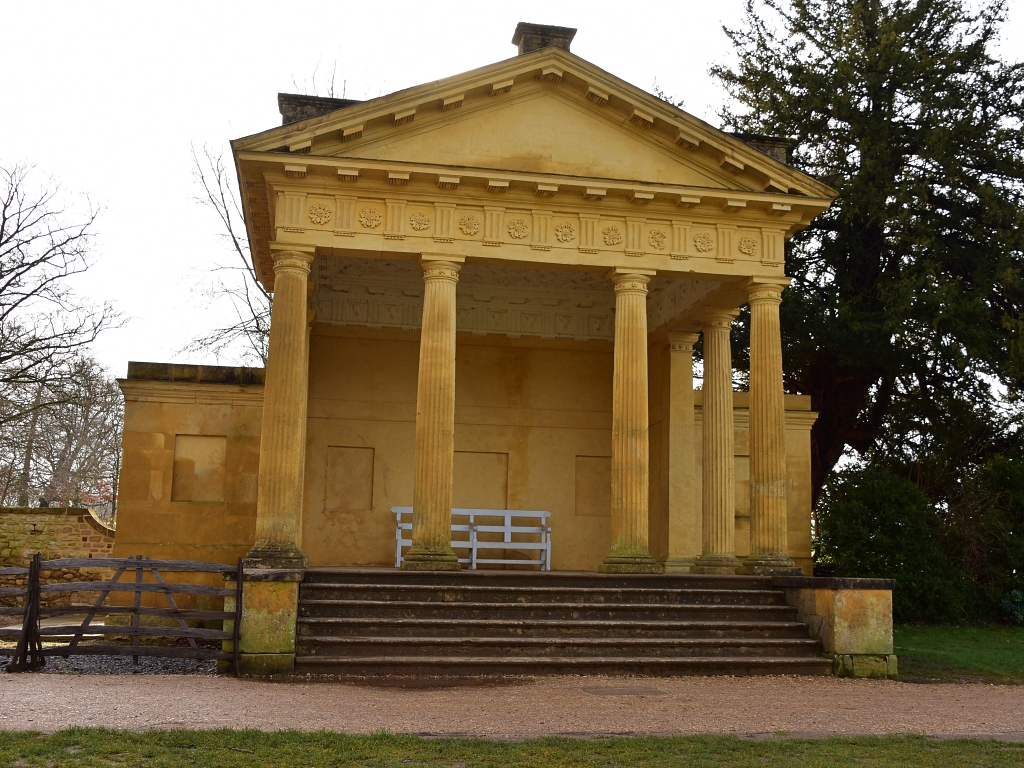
(28, 655)
(235, 631)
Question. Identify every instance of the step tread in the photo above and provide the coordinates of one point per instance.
(522, 661)
(547, 641)
(513, 589)
(394, 573)
(554, 623)
(356, 603)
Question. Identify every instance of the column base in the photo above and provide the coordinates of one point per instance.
(426, 560)
(266, 663)
(275, 557)
(769, 565)
(881, 666)
(679, 564)
(270, 608)
(716, 564)
(627, 564)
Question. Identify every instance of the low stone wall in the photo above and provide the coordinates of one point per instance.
(53, 532)
(851, 617)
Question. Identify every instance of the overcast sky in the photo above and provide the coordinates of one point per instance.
(108, 99)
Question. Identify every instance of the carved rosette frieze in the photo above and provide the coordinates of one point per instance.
(469, 224)
(370, 218)
(541, 231)
(394, 223)
(565, 232)
(319, 213)
(612, 234)
(419, 222)
(703, 242)
(657, 238)
(517, 228)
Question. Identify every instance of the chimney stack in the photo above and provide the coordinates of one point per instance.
(533, 37)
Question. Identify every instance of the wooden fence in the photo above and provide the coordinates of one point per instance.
(65, 639)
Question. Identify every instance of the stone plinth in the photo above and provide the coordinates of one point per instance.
(851, 617)
(270, 600)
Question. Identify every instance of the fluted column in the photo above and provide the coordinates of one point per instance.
(431, 548)
(282, 442)
(630, 448)
(767, 436)
(684, 523)
(718, 473)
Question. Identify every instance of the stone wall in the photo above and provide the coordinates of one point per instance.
(53, 532)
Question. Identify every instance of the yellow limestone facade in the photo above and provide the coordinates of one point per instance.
(487, 292)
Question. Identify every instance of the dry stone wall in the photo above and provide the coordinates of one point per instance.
(54, 532)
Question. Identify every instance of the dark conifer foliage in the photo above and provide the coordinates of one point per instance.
(908, 294)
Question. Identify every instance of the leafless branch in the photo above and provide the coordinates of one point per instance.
(249, 335)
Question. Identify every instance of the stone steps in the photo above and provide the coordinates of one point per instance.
(342, 627)
(386, 621)
(576, 610)
(536, 665)
(573, 647)
(541, 594)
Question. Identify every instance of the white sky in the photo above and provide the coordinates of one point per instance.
(109, 97)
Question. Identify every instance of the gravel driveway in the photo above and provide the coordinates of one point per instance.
(517, 707)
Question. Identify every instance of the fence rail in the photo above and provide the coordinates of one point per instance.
(65, 639)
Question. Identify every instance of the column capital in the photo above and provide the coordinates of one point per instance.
(290, 256)
(441, 270)
(630, 280)
(682, 342)
(718, 318)
(765, 292)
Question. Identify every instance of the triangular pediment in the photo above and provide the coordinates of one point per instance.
(547, 112)
(545, 132)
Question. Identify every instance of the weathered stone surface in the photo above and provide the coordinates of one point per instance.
(853, 625)
(269, 611)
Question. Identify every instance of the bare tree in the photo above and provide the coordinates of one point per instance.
(249, 336)
(66, 451)
(43, 322)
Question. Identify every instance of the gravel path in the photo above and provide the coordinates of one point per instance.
(804, 706)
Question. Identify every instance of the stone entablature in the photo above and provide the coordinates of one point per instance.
(606, 172)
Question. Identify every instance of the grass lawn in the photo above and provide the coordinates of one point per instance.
(991, 654)
(254, 749)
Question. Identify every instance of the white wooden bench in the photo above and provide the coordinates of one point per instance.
(484, 521)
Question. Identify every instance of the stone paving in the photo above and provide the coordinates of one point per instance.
(516, 707)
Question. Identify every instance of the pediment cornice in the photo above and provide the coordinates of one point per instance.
(557, 69)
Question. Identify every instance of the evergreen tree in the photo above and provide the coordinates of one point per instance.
(908, 293)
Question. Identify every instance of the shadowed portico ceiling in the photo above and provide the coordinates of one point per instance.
(513, 302)
(505, 155)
